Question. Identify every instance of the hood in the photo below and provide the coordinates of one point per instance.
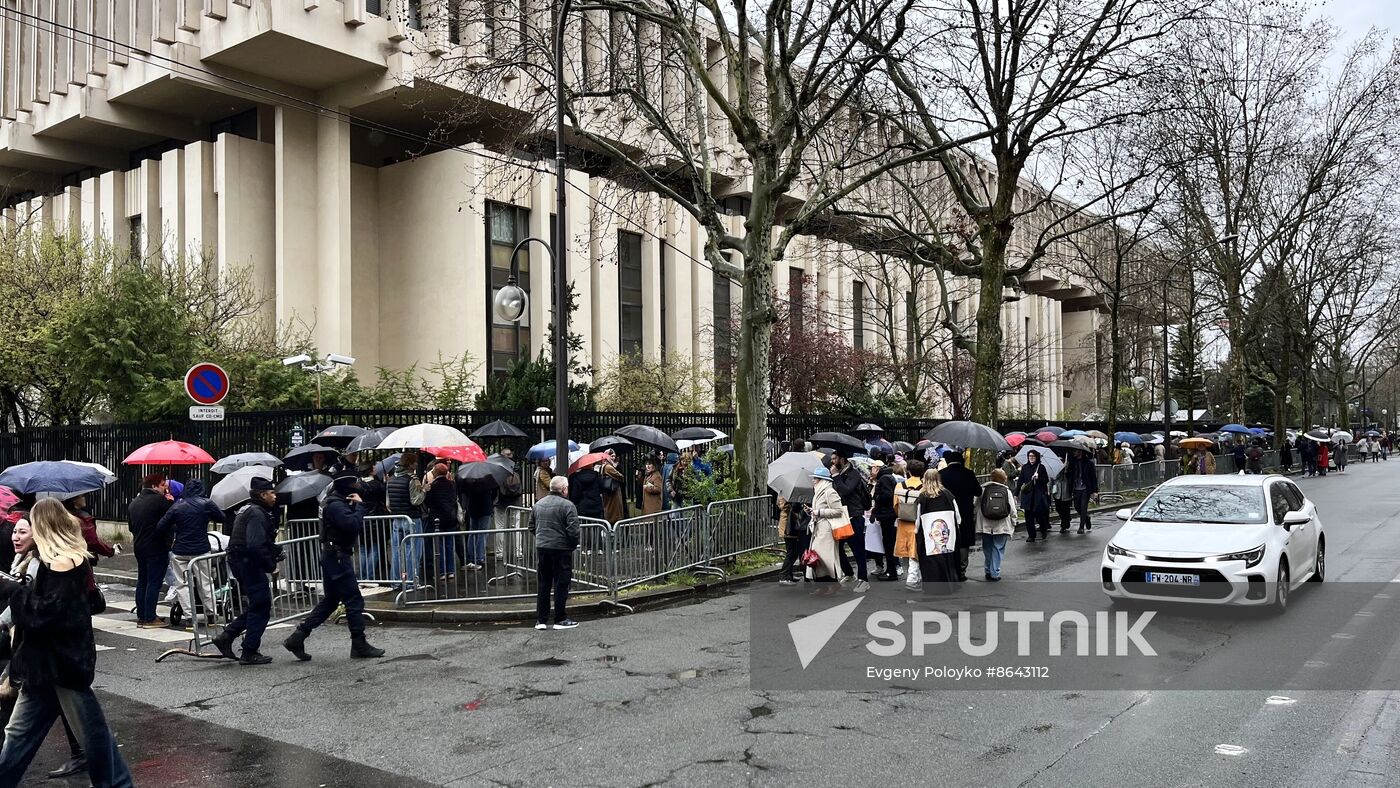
(1188, 539)
(194, 489)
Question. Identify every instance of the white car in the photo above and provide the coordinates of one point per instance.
(1246, 540)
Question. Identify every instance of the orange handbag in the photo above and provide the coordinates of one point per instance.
(843, 531)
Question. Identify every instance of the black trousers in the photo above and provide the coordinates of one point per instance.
(554, 570)
(1063, 508)
(1081, 505)
(888, 532)
(338, 586)
(857, 545)
(251, 623)
(792, 557)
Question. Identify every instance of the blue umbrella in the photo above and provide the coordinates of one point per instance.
(1258, 430)
(386, 466)
(68, 478)
(1238, 429)
(546, 450)
(1128, 437)
(1072, 433)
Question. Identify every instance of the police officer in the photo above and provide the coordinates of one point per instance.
(252, 554)
(342, 520)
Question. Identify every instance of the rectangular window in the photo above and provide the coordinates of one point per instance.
(488, 23)
(414, 11)
(724, 353)
(133, 227)
(667, 255)
(911, 323)
(797, 293)
(956, 309)
(506, 342)
(629, 292)
(858, 315)
(374, 7)
(454, 22)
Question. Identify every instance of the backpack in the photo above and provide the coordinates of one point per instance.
(907, 501)
(996, 502)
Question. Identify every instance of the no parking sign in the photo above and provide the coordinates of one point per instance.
(207, 385)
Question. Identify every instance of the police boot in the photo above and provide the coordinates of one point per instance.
(224, 643)
(253, 658)
(296, 643)
(361, 649)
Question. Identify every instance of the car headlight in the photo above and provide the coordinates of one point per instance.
(1249, 557)
(1114, 551)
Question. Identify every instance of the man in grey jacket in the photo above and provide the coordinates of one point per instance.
(554, 522)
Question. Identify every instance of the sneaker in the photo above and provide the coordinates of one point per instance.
(1081, 529)
(541, 625)
(885, 578)
(155, 623)
(567, 623)
(787, 581)
(861, 587)
(847, 579)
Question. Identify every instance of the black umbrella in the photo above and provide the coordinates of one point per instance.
(866, 429)
(968, 435)
(369, 440)
(299, 459)
(302, 486)
(339, 435)
(497, 429)
(649, 436)
(903, 447)
(692, 434)
(614, 442)
(1066, 444)
(490, 471)
(844, 444)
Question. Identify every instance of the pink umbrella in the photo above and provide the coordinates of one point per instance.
(1016, 439)
(470, 453)
(168, 453)
(1046, 437)
(7, 500)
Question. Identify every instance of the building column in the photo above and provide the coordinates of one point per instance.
(335, 322)
(294, 162)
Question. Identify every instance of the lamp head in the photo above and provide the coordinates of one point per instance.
(511, 302)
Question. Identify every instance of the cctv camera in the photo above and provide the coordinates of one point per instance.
(336, 358)
(292, 361)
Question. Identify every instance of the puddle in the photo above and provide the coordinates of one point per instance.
(694, 673)
(547, 662)
(760, 711)
(413, 658)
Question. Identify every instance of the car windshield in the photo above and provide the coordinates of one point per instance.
(1233, 505)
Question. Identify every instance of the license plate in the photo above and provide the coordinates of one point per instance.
(1173, 579)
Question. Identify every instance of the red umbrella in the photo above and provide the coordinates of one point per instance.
(168, 453)
(1016, 439)
(588, 461)
(1046, 437)
(469, 453)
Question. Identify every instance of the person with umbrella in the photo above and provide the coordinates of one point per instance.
(884, 513)
(854, 490)
(1307, 455)
(962, 484)
(794, 528)
(1324, 459)
(252, 555)
(478, 498)
(1340, 451)
(403, 496)
(151, 546)
(1198, 459)
(1285, 454)
(937, 538)
(1082, 479)
(586, 491)
(828, 513)
(188, 521)
(542, 476)
(1033, 488)
(342, 522)
(613, 482)
(440, 500)
(652, 488)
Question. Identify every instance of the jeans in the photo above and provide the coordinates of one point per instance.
(476, 541)
(338, 586)
(407, 554)
(993, 548)
(857, 545)
(888, 532)
(442, 545)
(554, 570)
(202, 601)
(150, 574)
(367, 551)
(31, 720)
(257, 607)
(792, 557)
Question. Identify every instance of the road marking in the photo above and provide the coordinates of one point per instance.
(1232, 750)
(106, 648)
(1344, 636)
(127, 627)
(1382, 596)
(1280, 700)
(1364, 613)
(1314, 663)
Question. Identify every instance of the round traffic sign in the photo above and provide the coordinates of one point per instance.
(207, 384)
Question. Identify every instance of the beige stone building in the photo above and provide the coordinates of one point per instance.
(290, 137)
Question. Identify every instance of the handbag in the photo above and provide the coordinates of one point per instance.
(96, 602)
(810, 557)
(843, 531)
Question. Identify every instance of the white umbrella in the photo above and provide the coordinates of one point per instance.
(233, 488)
(1342, 435)
(420, 436)
(1053, 465)
(107, 476)
(573, 457)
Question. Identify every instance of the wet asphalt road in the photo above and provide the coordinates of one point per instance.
(664, 698)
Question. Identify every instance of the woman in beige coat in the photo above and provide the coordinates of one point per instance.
(827, 513)
(995, 532)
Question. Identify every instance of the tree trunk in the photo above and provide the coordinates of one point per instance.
(986, 376)
(1115, 370)
(755, 346)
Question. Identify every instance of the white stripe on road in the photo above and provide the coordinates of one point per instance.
(1233, 750)
(127, 627)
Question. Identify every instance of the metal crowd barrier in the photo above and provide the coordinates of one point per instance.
(739, 526)
(656, 545)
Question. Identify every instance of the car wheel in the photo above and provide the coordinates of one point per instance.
(1281, 589)
(1320, 569)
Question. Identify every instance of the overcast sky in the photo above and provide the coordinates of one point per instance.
(1354, 17)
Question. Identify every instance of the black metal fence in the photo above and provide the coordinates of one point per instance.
(271, 431)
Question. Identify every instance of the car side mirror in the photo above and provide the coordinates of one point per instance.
(1123, 514)
(1295, 518)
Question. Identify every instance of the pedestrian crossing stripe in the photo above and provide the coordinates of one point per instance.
(127, 627)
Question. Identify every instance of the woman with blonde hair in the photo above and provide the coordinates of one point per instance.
(55, 658)
(937, 538)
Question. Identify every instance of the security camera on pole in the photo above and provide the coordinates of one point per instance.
(327, 364)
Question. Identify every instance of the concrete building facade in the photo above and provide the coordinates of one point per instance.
(290, 137)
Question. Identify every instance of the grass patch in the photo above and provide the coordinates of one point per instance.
(738, 566)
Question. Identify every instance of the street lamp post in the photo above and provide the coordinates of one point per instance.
(511, 302)
(1166, 381)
